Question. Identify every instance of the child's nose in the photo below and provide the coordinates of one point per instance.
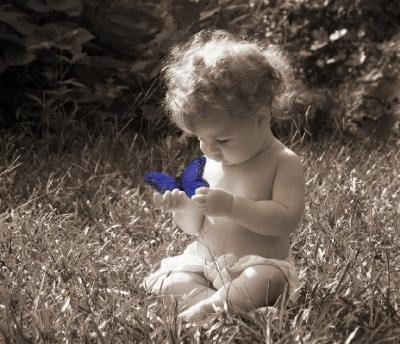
(208, 148)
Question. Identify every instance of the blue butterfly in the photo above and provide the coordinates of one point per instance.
(189, 181)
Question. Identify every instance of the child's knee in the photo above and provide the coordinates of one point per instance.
(178, 283)
(266, 282)
(256, 286)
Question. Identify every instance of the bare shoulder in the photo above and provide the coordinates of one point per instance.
(289, 159)
(286, 158)
(289, 183)
(290, 170)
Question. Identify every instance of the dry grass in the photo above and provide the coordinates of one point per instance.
(78, 234)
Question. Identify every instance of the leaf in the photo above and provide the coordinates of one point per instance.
(78, 57)
(71, 7)
(77, 38)
(35, 98)
(337, 35)
(72, 82)
(373, 75)
(131, 24)
(37, 6)
(66, 305)
(11, 37)
(110, 91)
(337, 58)
(126, 30)
(80, 35)
(147, 69)
(65, 36)
(208, 14)
(17, 21)
(47, 34)
(139, 66)
(104, 62)
(321, 39)
(89, 97)
(351, 336)
(16, 55)
(186, 12)
(167, 32)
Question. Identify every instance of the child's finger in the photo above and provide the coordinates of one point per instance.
(175, 198)
(199, 199)
(182, 194)
(202, 206)
(157, 199)
(166, 200)
(201, 202)
(202, 190)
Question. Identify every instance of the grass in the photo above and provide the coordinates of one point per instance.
(78, 234)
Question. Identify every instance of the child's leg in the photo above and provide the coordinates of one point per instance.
(180, 284)
(256, 286)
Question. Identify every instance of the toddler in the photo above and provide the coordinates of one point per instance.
(224, 90)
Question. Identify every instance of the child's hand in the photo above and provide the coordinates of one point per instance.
(213, 202)
(170, 201)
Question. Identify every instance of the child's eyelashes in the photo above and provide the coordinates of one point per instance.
(220, 141)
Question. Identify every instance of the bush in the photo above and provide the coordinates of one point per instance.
(85, 62)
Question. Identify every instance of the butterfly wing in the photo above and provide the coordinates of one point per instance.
(192, 176)
(160, 181)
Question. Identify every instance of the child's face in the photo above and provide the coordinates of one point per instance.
(232, 141)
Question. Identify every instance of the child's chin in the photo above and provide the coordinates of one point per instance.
(216, 158)
(234, 162)
(228, 163)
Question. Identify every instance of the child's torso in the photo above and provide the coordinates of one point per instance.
(253, 180)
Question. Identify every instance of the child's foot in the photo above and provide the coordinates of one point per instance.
(194, 313)
(266, 311)
(200, 313)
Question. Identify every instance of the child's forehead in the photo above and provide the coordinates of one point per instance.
(218, 127)
(210, 131)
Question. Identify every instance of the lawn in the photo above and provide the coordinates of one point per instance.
(78, 234)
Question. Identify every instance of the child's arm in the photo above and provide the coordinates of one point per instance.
(185, 213)
(275, 217)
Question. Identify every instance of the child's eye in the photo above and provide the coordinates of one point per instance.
(223, 141)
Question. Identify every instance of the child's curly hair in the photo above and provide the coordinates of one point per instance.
(216, 70)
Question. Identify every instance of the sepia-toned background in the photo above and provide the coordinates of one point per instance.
(80, 123)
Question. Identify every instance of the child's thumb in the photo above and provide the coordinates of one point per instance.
(203, 190)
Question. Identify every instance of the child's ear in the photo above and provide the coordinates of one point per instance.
(263, 115)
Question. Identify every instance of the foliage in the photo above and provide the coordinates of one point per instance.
(54, 70)
(78, 234)
(69, 61)
(347, 54)
(350, 49)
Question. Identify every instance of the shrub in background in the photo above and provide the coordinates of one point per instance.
(92, 62)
